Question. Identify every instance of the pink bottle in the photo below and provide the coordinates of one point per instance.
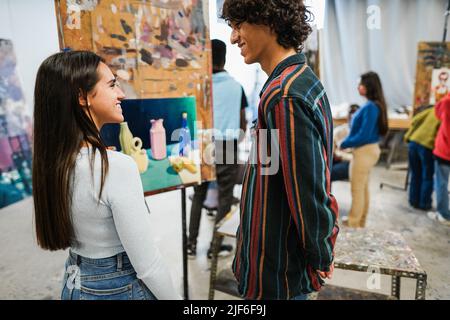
(158, 139)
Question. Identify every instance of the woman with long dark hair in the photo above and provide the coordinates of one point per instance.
(88, 198)
(368, 125)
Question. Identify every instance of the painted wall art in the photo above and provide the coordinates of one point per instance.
(15, 131)
(157, 48)
(432, 73)
(161, 135)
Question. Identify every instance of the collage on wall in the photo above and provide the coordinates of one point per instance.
(158, 50)
(15, 131)
(432, 73)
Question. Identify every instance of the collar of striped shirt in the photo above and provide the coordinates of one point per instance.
(298, 58)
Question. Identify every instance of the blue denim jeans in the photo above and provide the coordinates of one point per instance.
(301, 297)
(441, 188)
(340, 171)
(112, 278)
(421, 168)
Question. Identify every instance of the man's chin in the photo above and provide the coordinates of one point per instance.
(248, 60)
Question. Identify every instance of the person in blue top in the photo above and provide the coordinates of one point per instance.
(367, 126)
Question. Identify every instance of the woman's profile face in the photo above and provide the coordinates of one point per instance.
(105, 98)
(362, 90)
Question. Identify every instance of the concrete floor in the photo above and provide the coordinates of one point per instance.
(27, 272)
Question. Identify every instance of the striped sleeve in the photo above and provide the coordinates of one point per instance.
(306, 179)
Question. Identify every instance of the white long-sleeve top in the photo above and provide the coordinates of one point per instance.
(120, 222)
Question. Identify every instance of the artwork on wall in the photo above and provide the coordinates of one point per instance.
(15, 131)
(157, 49)
(432, 73)
(162, 137)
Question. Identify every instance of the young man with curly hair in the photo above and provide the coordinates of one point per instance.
(288, 226)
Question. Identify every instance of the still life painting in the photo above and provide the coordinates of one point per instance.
(161, 135)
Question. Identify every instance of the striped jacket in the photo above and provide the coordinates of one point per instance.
(288, 223)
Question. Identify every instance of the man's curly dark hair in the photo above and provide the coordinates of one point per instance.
(289, 19)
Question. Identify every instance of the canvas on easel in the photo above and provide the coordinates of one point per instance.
(440, 84)
(432, 73)
(157, 49)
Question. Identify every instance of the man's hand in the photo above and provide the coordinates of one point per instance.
(327, 275)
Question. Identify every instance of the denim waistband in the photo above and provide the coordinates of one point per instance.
(119, 259)
(120, 264)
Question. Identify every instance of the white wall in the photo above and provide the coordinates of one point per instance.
(31, 25)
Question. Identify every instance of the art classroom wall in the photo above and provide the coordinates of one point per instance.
(158, 49)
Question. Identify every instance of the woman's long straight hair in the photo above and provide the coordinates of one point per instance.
(61, 126)
(374, 92)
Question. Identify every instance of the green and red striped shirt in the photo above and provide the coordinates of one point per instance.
(288, 224)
